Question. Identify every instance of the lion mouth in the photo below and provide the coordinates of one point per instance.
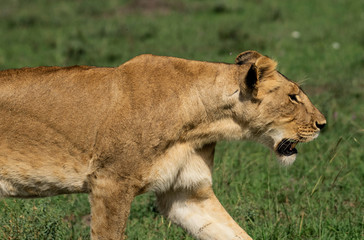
(287, 147)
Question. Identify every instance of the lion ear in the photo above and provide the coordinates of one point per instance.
(263, 68)
(247, 57)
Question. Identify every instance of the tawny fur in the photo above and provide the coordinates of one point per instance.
(149, 125)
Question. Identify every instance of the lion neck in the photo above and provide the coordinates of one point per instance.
(212, 105)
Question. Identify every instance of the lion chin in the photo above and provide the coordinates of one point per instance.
(287, 160)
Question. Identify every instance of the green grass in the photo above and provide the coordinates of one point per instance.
(319, 197)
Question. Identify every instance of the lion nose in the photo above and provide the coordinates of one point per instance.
(320, 125)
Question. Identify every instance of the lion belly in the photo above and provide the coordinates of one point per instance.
(31, 173)
(37, 161)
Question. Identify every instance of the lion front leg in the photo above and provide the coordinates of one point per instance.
(110, 201)
(200, 213)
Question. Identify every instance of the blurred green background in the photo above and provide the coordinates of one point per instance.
(319, 44)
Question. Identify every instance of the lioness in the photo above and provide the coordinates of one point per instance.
(149, 125)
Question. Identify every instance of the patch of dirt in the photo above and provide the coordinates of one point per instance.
(86, 220)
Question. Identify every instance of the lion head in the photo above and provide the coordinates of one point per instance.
(276, 110)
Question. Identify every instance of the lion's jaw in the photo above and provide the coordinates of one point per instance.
(283, 142)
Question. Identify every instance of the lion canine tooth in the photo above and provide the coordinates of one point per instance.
(293, 145)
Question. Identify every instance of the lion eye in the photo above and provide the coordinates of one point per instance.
(293, 98)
